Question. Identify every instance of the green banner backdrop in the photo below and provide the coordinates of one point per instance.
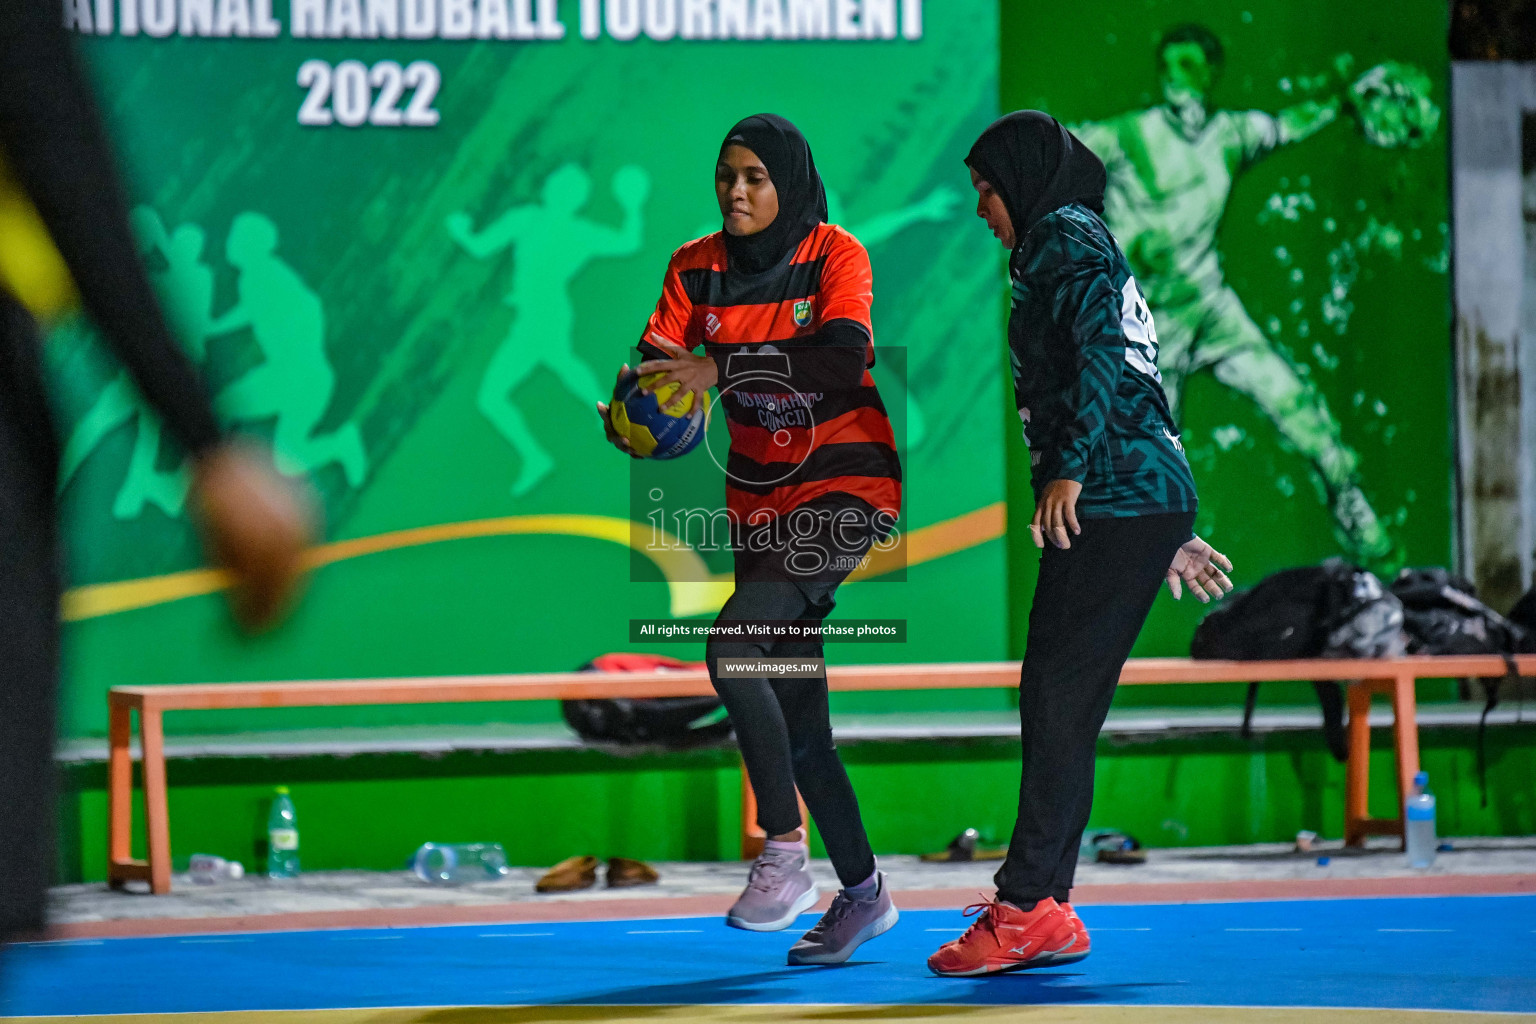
(410, 242)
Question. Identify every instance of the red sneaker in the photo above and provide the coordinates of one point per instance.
(1005, 938)
(1081, 946)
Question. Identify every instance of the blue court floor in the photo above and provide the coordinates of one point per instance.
(1472, 953)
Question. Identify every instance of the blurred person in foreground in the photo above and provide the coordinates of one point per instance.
(254, 523)
(777, 278)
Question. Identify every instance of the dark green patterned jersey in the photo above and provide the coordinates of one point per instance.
(1084, 355)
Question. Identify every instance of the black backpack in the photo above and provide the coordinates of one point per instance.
(1523, 614)
(669, 721)
(1333, 609)
(1443, 616)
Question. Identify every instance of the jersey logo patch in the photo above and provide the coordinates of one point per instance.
(802, 311)
(711, 325)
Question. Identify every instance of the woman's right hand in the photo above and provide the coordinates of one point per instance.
(614, 437)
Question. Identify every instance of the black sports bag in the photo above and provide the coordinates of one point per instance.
(670, 721)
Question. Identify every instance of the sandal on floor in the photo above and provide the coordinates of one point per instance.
(964, 847)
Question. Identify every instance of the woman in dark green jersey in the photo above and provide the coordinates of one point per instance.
(1114, 514)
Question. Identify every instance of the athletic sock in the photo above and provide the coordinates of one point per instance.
(865, 890)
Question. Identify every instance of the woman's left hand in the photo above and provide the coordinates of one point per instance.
(695, 374)
(1202, 568)
(1056, 513)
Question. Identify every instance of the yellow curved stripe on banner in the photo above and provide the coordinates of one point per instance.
(692, 589)
(927, 543)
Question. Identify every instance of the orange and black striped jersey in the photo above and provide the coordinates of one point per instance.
(805, 417)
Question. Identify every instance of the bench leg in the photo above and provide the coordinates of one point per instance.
(119, 796)
(1405, 730)
(1358, 822)
(156, 817)
(752, 834)
(1357, 778)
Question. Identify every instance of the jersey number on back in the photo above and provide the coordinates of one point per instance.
(1140, 334)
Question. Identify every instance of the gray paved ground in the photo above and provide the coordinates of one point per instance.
(353, 890)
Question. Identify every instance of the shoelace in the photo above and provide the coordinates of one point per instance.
(984, 920)
(767, 872)
(841, 907)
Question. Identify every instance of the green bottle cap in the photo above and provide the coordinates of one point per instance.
(282, 790)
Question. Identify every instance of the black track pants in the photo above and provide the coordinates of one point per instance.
(782, 725)
(1090, 603)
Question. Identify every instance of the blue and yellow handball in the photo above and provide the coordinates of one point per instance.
(657, 424)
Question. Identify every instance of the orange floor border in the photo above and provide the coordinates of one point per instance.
(638, 908)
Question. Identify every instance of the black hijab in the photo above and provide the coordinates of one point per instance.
(1036, 166)
(802, 199)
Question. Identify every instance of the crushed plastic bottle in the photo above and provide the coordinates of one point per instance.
(1096, 841)
(456, 863)
(206, 869)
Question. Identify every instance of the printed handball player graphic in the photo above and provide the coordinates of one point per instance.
(1171, 169)
(781, 300)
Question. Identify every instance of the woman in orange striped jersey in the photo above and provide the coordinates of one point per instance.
(779, 301)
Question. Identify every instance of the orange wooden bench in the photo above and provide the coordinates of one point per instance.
(1394, 677)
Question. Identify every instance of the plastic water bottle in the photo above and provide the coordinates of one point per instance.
(1420, 823)
(206, 869)
(282, 837)
(453, 863)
